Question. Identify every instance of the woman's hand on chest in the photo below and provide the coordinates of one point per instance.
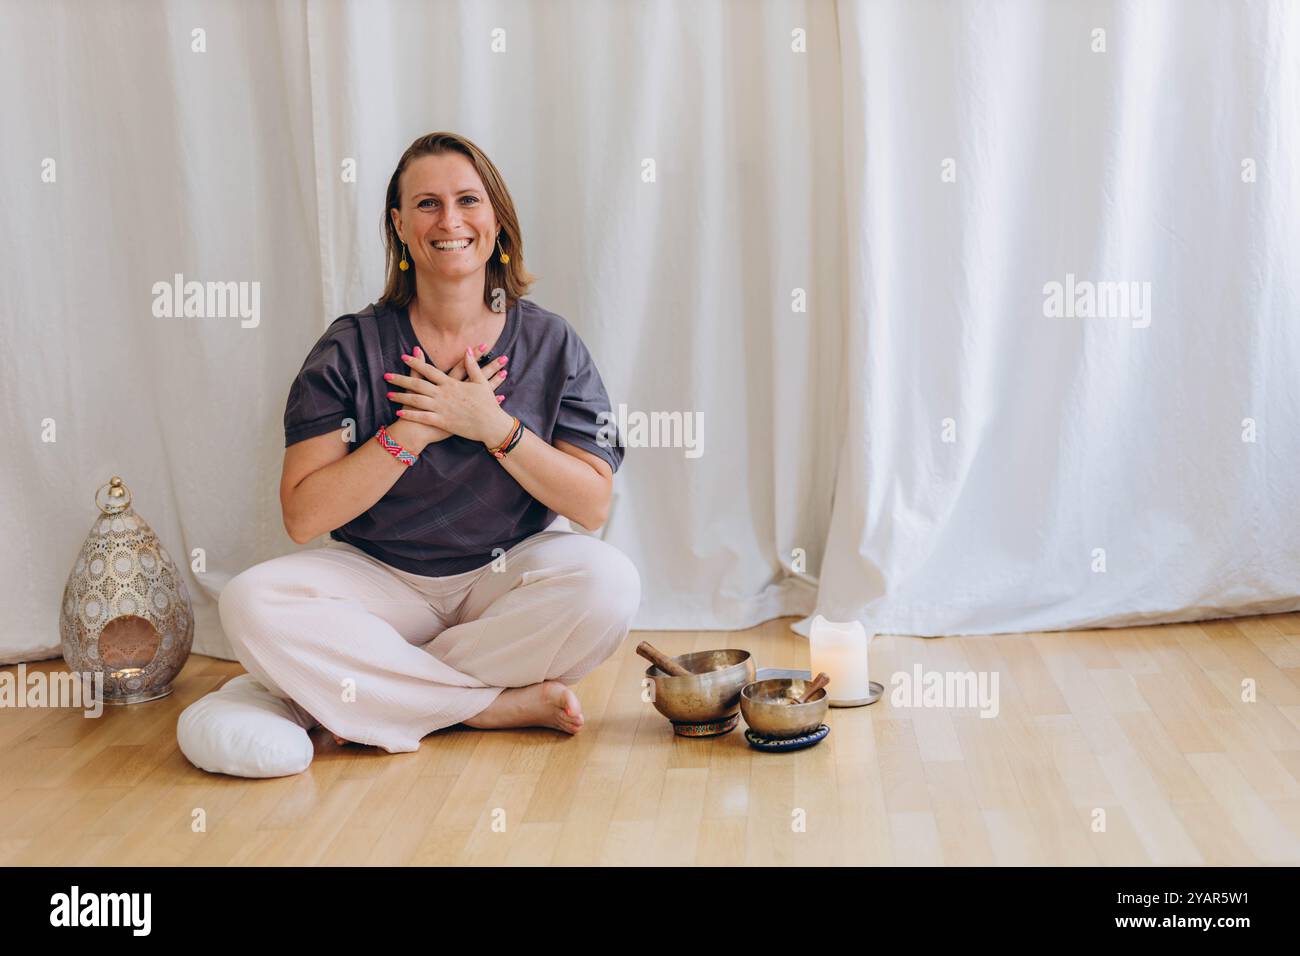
(454, 404)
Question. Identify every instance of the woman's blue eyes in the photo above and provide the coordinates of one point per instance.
(421, 203)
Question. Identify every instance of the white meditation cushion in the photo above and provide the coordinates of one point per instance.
(244, 730)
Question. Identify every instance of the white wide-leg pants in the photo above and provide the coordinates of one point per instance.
(382, 656)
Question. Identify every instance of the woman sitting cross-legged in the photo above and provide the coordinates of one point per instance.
(435, 435)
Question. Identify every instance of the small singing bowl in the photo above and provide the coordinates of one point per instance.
(711, 691)
(766, 715)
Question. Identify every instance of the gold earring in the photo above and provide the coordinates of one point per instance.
(505, 256)
(403, 265)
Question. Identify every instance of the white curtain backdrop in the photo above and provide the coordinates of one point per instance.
(1014, 471)
(822, 230)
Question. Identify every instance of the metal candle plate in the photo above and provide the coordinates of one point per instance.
(877, 689)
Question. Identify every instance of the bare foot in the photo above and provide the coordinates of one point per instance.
(548, 704)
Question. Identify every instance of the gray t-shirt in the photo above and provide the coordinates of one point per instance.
(449, 510)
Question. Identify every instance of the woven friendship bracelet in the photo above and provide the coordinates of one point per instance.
(392, 446)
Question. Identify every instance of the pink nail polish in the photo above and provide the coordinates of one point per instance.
(388, 376)
(504, 359)
(399, 411)
(405, 357)
(504, 373)
(501, 398)
(482, 346)
(389, 395)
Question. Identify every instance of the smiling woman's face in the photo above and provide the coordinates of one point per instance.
(444, 204)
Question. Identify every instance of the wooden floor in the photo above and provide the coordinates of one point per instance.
(1146, 724)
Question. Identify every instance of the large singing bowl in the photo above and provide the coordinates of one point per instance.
(711, 691)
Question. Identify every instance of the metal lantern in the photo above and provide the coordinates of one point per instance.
(126, 613)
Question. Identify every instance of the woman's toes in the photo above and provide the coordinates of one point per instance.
(548, 704)
(572, 706)
(567, 709)
(566, 700)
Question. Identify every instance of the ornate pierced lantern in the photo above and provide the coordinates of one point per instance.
(126, 613)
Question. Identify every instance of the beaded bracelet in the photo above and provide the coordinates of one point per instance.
(390, 445)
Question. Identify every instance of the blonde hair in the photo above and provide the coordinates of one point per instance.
(511, 277)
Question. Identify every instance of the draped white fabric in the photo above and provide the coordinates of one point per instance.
(820, 232)
(1016, 470)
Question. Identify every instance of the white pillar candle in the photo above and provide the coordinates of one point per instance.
(841, 651)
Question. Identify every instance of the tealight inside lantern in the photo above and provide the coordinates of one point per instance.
(841, 651)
